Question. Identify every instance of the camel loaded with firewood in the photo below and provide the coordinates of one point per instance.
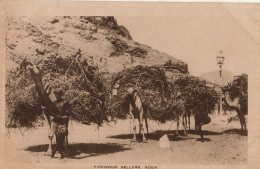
(53, 113)
(235, 105)
(137, 111)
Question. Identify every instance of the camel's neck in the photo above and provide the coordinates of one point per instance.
(36, 74)
(233, 104)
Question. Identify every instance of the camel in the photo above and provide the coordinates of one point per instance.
(49, 108)
(235, 105)
(184, 119)
(180, 111)
(189, 115)
(137, 111)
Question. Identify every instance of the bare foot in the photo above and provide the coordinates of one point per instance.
(48, 153)
(67, 152)
(61, 156)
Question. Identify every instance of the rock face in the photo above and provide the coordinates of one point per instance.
(100, 39)
(213, 77)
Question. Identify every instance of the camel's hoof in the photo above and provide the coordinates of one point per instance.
(134, 140)
(202, 140)
(52, 155)
(48, 153)
(185, 135)
(145, 141)
(68, 154)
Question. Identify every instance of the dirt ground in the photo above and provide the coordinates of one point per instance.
(111, 145)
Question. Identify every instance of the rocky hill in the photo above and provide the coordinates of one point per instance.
(213, 77)
(100, 39)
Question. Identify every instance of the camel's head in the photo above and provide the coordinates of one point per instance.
(58, 93)
(130, 90)
(26, 64)
(116, 86)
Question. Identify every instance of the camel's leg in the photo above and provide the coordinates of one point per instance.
(240, 119)
(50, 148)
(243, 120)
(146, 125)
(196, 124)
(225, 112)
(178, 123)
(184, 123)
(189, 121)
(52, 132)
(141, 124)
(134, 127)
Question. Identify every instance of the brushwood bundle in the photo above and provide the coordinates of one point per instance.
(239, 89)
(153, 88)
(83, 86)
(22, 101)
(200, 98)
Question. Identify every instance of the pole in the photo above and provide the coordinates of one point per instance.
(220, 100)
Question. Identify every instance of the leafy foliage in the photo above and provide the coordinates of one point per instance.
(153, 88)
(83, 87)
(88, 92)
(163, 99)
(197, 95)
(239, 89)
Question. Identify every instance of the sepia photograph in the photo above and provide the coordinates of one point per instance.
(139, 86)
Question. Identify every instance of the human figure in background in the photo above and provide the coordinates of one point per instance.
(200, 120)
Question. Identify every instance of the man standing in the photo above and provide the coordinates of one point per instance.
(200, 120)
(59, 123)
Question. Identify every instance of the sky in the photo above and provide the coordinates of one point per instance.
(195, 33)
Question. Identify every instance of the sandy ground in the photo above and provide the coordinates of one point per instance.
(111, 145)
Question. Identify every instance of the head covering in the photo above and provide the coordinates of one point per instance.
(58, 90)
(116, 85)
(130, 90)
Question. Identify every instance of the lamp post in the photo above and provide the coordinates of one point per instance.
(220, 62)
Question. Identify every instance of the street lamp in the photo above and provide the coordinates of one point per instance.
(220, 62)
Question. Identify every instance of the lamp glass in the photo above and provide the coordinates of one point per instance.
(220, 60)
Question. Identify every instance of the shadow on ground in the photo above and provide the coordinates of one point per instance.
(152, 136)
(172, 135)
(84, 150)
(235, 131)
(205, 139)
(205, 132)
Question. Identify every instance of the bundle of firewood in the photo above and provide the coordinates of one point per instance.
(200, 98)
(83, 87)
(151, 85)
